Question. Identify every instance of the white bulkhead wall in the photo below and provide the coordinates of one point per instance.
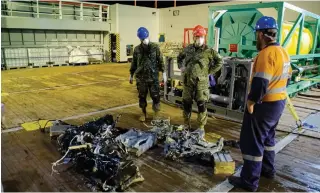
(126, 20)
(190, 16)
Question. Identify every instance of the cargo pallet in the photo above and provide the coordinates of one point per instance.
(78, 64)
(58, 65)
(42, 66)
(95, 62)
(15, 67)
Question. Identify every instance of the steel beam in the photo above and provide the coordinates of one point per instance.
(293, 29)
(302, 85)
(300, 34)
(281, 10)
(315, 37)
(212, 22)
(305, 56)
(298, 9)
(247, 6)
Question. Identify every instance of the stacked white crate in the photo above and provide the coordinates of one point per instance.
(38, 56)
(2, 58)
(59, 56)
(95, 54)
(78, 56)
(16, 57)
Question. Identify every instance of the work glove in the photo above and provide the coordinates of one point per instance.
(131, 79)
(164, 77)
(212, 81)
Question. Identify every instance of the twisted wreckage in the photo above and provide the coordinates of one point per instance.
(102, 152)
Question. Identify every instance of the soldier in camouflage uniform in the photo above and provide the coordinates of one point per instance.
(196, 62)
(146, 63)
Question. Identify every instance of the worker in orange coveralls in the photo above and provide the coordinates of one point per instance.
(266, 102)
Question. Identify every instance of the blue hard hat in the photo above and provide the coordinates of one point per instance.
(266, 22)
(142, 33)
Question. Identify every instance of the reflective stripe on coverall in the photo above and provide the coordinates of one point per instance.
(257, 141)
(270, 75)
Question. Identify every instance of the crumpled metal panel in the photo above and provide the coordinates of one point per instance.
(139, 140)
(182, 143)
(178, 141)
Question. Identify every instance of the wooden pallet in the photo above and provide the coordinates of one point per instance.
(58, 65)
(95, 62)
(78, 64)
(17, 67)
(43, 66)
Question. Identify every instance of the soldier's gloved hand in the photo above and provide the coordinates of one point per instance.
(131, 79)
(164, 77)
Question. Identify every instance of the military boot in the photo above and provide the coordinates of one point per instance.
(186, 125)
(156, 111)
(156, 115)
(143, 116)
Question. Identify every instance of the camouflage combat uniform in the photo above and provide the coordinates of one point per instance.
(198, 64)
(146, 63)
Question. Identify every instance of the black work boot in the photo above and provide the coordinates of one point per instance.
(237, 183)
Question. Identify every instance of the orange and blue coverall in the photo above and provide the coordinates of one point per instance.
(270, 74)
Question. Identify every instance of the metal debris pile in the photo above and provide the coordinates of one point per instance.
(182, 143)
(162, 128)
(178, 142)
(101, 152)
(92, 149)
(140, 141)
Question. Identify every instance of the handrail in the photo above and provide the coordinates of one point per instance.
(26, 12)
(60, 8)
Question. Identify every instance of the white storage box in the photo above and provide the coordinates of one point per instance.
(38, 56)
(59, 56)
(16, 57)
(95, 54)
(77, 55)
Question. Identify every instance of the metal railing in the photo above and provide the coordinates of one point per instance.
(56, 9)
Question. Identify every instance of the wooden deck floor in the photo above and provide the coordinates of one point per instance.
(30, 94)
(26, 157)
